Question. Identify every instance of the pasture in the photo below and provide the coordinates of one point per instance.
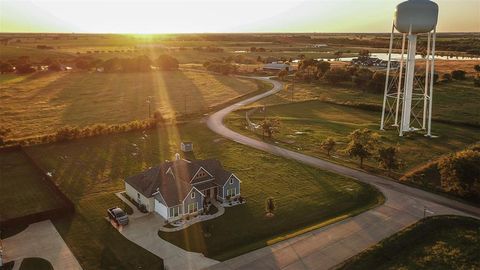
(43, 102)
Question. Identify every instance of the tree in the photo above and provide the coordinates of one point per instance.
(270, 206)
(54, 66)
(338, 54)
(459, 74)
(477, 68)
(362, 143)
(337, 75)
(362, 77)
(167, 62)
(328, 145)
(25, 69)
(377, 83)
(460, 173)
(6, 67)
(270, 127)
(323, 66)
(364, 53)
(447, 77)
(387, 157)
(282, 74)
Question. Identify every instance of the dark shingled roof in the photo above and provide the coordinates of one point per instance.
(172, 179)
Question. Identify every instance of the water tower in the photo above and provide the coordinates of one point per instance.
(406, 88)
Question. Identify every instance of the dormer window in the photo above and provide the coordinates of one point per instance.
(193, 195)
(231, 181)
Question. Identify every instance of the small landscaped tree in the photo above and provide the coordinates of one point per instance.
(270, 127)
(270, 206)
(362, 143)
(387, 157)
(328, 145)
(283, 74)
(477, 68)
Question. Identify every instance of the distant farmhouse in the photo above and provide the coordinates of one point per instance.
(181, 187)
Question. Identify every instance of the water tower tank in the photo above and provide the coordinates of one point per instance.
(420, 15)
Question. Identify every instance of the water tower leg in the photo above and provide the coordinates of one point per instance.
(427, 82)
(387, 78)
(410, 74)
(400, 77)
(432, 73)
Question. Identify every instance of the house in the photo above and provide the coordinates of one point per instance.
(182, 187)
(186, 146)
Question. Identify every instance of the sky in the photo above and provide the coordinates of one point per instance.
(180, 16)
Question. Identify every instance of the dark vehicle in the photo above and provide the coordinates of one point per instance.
(118, 215)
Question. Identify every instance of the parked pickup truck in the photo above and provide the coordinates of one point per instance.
(118, 215)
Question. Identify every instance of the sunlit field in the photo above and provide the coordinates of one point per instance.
(42, 102)
(91, 170)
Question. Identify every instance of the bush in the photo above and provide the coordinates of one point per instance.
(362, 77)
(167, 62)
(459, 74)
(447, 77)
(336, 75)
(25, 69)
(460, 173)
(223, 68)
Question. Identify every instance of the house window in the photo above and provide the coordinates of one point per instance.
(193, 195)
(174, 211)
(231, 192)
(231, 181)
(192, 207)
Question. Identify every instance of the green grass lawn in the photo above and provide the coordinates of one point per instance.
(454, 101)
(317, 120)
(40, 103)
(442, 242)
(90, 170)
(35, 264)
(22, 188)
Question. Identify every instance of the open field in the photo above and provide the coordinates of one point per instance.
(42, 102)
(442, 242)
(317, 120)
(456, 101)
(22, 188)
(91, 170)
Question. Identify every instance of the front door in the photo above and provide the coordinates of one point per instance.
(207, 193)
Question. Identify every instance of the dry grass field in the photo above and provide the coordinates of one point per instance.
(42, 102)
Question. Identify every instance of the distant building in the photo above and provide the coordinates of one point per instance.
(186, 146)
(276, 66)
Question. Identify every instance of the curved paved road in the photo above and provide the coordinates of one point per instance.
(327, 247)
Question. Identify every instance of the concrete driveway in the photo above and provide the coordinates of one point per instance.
(327, 247)
(143, 231)
(41, 240)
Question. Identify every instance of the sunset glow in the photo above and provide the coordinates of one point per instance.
(106, 16)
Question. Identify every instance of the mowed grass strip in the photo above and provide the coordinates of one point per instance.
(22, 189)
(43, 102)
(91, 170)
(442, 242)
(304, 125)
